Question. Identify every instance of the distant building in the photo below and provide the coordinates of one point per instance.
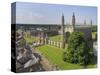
(53, 29)
(84, 29)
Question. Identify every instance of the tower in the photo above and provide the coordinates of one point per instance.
(63, 32)
(91, 23)
(73, 21)
(46, 38)
(84, 22)
(91, 40)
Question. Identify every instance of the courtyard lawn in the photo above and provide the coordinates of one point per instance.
(94, 35)
(54, 55)
(56, 38)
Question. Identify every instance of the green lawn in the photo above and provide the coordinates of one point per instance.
(56, 38)
(94, 35)
(54, 55)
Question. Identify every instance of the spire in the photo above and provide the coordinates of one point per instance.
(63, 31)
(91, 22)
(73, 14)
(73, 21)
(84, 22)
(62, 19)
(91, 25)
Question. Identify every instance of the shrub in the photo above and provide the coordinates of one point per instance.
(77, 51)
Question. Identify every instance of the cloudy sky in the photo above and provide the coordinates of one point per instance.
(35, 13)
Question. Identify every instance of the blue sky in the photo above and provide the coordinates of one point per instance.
(36, 13)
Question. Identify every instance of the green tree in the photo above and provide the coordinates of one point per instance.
(77, 51)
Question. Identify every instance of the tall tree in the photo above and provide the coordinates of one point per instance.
(77, 50)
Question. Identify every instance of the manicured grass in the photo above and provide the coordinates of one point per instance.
(94, 35)
(56, 38)
(54, 55)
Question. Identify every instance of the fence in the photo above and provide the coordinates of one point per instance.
(54, 43)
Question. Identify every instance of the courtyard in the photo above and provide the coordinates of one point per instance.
(54, 54)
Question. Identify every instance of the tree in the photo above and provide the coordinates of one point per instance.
(77, 51)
